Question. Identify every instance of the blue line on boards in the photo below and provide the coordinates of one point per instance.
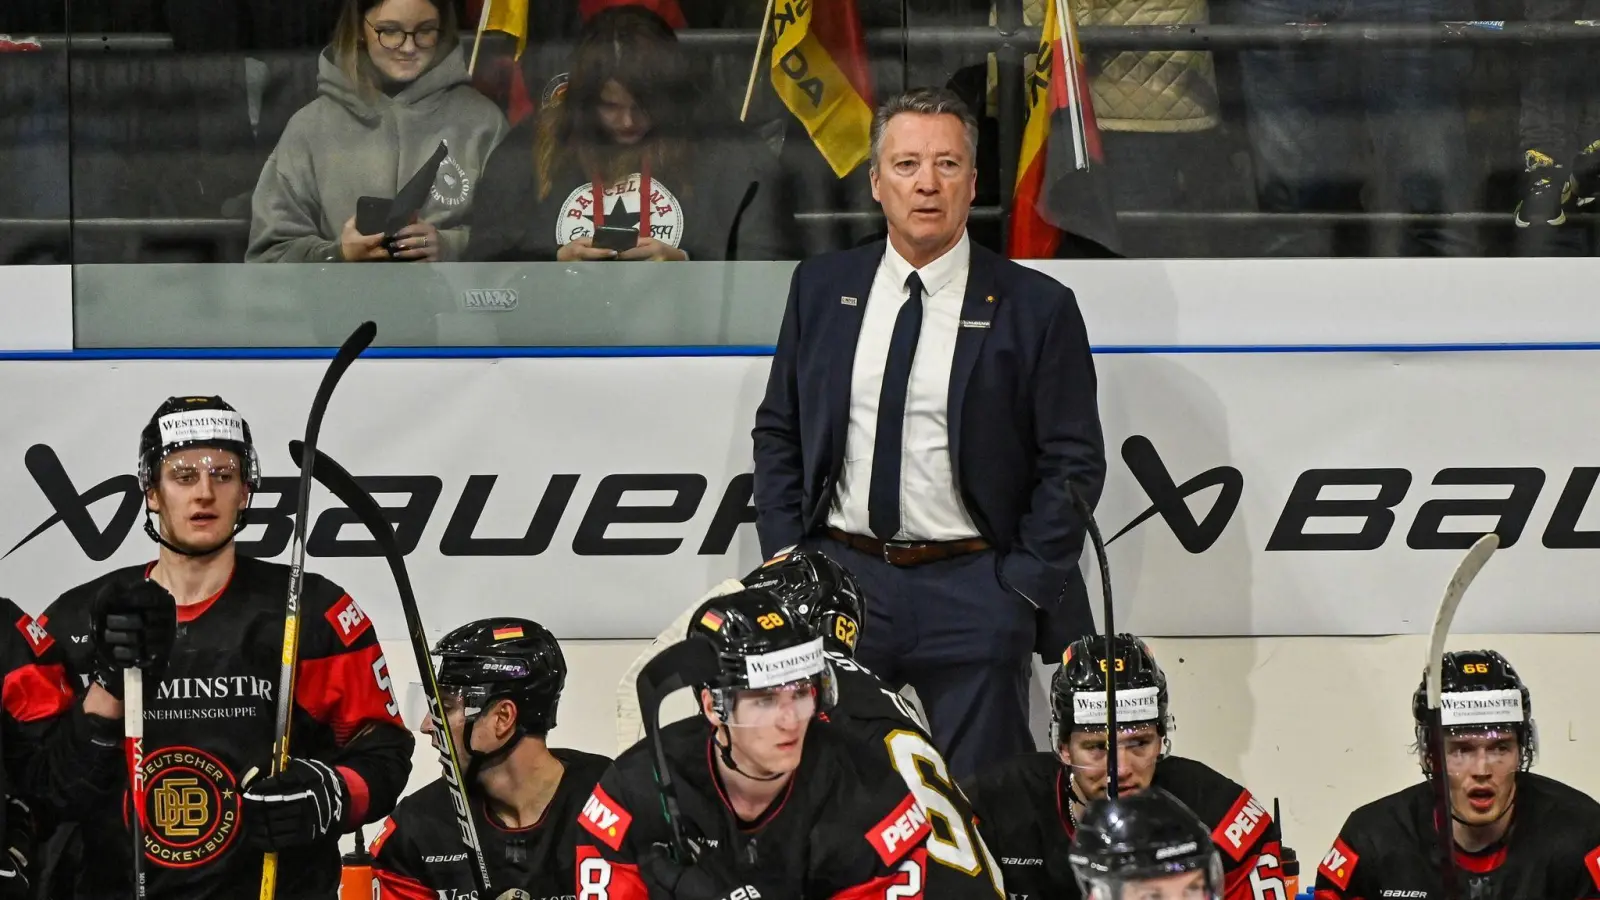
(292, 353)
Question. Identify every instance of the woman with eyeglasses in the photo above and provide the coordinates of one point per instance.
(392, 85)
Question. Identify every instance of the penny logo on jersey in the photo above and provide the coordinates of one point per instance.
(621, 210)
(191, 807)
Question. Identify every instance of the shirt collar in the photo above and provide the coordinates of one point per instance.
(936, 275)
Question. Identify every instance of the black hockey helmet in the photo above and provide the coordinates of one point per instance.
(1137, 837)
(182, 422)
(1078, 689)
(1478, 690)
(759, 643)
(505, 658)
(819, 590)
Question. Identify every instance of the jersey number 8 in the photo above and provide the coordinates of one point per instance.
(960, 851)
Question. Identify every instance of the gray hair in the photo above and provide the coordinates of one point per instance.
(926, 101)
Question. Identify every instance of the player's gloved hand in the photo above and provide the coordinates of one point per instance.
(19, 839)
(299, 805)
(132, 626)
(708, 878)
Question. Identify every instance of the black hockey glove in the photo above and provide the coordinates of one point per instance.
(132, 626)
(19, 840)
(301, 804)
(707, 878)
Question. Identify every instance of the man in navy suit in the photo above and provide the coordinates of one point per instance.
(928, 407)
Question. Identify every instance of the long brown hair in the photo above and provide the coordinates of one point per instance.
(350, 39)
(639, 51)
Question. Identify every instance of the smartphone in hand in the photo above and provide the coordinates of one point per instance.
(609, 237)
(372, 214)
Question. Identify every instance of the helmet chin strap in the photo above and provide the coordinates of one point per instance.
(477, 762)
(727, 757)
(238, 526)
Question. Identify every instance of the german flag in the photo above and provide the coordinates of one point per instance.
(510, 632)
(711, 620)
(1062, 182)
(820, 71)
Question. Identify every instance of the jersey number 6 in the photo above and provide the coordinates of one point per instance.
(961, 849)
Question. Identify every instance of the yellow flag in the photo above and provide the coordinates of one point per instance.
(508, 17)
(809, 76)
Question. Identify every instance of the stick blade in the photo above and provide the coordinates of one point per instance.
(1466, 571)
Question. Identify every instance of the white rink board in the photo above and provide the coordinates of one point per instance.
(1269, 415)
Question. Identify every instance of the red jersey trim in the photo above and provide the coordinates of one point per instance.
(360, 796)
(394, 886)
(605, 818)
(600, 877)
(1237, 831)
(901, 830)
(192, 611)
(1591, 861)
(906, 885)
(345, 693)
(1237, 881)
(33, 692)
(1340, 864)
(1481, 863)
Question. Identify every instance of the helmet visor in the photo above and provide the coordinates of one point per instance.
(1182, 879)
(779, 705)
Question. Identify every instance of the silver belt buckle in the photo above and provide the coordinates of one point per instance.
(894, 545)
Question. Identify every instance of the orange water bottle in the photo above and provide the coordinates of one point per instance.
(356, 880)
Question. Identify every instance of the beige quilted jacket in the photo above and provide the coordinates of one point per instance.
(1157, 91)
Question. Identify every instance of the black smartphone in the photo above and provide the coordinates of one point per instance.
(372, 214)
(609, 237)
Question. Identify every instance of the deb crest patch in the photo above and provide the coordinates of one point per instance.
(1340, 864)
(604, 818)
(192, 807)
(33, 632)
(347, 619)
(899, 831)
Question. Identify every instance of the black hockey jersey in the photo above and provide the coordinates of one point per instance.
(1388, 848)
(1023, 812)
(58, 760)
(419, 855)
(844, 828)
(959, 863)
(209, 719)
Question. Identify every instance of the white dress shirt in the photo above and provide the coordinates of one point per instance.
(930, 509)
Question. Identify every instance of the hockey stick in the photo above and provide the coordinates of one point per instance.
(358, 341)
(1470, 565)
(336, 479)
(688, 662)
(1107, 659)
(133, 729)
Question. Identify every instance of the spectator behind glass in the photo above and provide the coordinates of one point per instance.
(627, 125)
(392, 86)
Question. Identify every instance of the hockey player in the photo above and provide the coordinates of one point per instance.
(816, 588)
(59, 756)
(1029, 808)
(206, 627)
(1516, 834)
(500, 681)
(773, 803)
(1145, 846)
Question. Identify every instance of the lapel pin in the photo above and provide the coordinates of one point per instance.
(851, 301)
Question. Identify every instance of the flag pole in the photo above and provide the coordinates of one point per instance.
(1068, 28)
(483, 22)
(755, 64)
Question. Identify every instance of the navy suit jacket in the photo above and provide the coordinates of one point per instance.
(1023, 420)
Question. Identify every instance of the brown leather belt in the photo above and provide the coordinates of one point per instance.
(908, 553)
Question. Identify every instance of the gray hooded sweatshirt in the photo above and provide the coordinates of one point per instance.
(343, 146)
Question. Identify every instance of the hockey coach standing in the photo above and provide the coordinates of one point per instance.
(205, 626)
(928, 405)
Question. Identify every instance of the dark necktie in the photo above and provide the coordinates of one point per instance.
(883, 498)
